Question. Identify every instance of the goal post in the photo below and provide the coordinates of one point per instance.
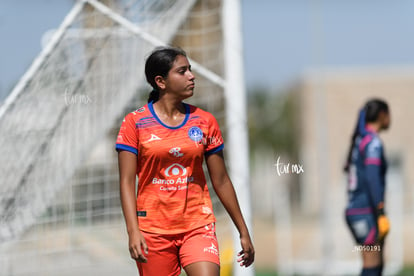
(237, 140)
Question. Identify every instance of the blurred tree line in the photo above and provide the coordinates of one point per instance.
(273, 131)
(272, 122)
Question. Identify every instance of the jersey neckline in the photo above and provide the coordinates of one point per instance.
(187, 115)
(369, 129)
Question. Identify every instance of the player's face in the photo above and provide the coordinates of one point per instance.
(180, 79)
(385, 120)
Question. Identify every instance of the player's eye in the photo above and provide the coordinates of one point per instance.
(183, 70)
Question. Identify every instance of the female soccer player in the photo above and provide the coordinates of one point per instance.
(366, 167)
(170, 222)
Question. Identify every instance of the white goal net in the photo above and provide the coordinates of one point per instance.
(59, 201)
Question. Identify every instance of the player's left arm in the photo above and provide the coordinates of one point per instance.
(225, 191)
(374, 176)
(376, 184)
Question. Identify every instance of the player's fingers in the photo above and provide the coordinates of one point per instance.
(133, 252)
(144, 246)
(141, 258)
(136, 254)
(247, 257)
(248, 260)
(240, 254)
(242, 259)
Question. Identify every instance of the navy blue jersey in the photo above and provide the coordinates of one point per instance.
(366, 177)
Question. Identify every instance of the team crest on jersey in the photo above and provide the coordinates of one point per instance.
(195, 134)
(141, 109)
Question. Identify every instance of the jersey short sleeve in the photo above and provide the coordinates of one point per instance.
(373, 152)
(214, 138)
(128, 137)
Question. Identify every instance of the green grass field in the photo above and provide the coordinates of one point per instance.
(407, 271)
(265, 273)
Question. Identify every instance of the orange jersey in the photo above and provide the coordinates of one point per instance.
(173, 196)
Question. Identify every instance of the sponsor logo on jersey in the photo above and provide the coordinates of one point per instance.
(212, 249)
(210, 231)
(175, 174)
(153, 138)
(176, 152)
(140, 110)
(195, 134)
(176, 170)
(206, 210)
(210, 226)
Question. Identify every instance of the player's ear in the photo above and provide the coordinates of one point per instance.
(160, 81)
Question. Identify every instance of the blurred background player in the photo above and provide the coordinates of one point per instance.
(366, 167)
(165, 143)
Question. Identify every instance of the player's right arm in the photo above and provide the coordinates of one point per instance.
(127, 170)
(127, 147)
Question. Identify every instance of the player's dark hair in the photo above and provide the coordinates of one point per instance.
(368, 114)
(159, 63)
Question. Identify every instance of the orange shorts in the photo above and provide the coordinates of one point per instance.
(168, 253)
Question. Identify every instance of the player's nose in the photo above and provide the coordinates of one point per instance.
(191, 76)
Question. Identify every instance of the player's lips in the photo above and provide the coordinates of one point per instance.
(191, 85)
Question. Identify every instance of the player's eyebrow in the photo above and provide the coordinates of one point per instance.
(185, 67)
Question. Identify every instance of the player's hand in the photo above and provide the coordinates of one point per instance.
(137, 247)
(246, 255)
(383, 227)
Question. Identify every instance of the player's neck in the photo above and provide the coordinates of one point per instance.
(374, 127)
(170, 108)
